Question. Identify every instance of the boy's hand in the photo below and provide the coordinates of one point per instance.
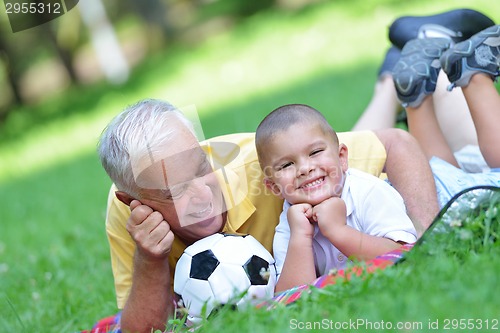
(299, 218)
(330, 215)
(150, 231)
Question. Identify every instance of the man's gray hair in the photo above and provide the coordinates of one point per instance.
(140, 130)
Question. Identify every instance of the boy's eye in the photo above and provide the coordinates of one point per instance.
(285, 165)
(316, 151)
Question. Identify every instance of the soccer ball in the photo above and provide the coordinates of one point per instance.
(223, 269)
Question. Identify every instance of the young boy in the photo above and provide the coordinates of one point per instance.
(331, 212)
(473, 65)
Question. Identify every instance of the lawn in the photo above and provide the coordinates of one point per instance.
(447, 282)
(55, 274)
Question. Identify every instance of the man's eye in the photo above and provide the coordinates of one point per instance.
(175, 192)
(205, 168)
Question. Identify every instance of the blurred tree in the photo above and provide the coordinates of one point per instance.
(103, 38)
(11, 75)
(64, 55)
(237, 9)
(22, 50)
(154, 14)
(163, 20)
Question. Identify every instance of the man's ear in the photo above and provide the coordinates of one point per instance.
(124, 197)
(268, 182)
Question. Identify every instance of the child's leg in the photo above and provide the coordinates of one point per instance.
(472, 64)
(415, 78)
(424, 126)
(484, 104)
(453, 115)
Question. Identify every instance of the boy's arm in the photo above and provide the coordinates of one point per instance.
(359, 245)
(298, 267)
(372, 242)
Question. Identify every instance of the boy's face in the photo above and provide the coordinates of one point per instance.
(305, 165)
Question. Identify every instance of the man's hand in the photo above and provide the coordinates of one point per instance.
(150, 231)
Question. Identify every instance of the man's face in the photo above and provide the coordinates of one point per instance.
(188, 194)
(305, 165)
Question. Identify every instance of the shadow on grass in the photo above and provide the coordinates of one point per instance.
(83, 99)
(340, 95)
(54, 265)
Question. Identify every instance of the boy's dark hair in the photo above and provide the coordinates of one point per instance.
(282, 118)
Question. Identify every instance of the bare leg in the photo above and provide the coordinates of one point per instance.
(484, 104)
(423, 125)
(382, 109)
(410, 174)
(451, 111)
(453, 115)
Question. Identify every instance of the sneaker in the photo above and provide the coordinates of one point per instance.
(457, 25)
(391, 58)
(478, 54)
(415, 74)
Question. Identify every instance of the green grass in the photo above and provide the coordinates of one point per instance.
(451, 275)
(416, 292)
(55, 273)
(54, 265)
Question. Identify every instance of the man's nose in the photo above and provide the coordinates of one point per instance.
(200, 191)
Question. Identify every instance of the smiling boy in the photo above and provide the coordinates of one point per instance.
(331, 212)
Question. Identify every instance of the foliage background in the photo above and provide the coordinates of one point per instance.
(234, 65)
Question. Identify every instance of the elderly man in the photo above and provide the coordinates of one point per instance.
(170, 190)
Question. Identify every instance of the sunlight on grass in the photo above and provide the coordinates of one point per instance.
(54, 258)
(269, 56)
(268, 53)
(60, 141)
(265, 55)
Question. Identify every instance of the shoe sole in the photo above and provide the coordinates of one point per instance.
(463, 22)
(415, 74)
(454, 61)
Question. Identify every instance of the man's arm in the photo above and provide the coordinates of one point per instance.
(150, 301)
(409, 172)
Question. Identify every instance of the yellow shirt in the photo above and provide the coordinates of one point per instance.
(252, 209)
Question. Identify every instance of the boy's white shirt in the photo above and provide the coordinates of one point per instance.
(373, 207)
